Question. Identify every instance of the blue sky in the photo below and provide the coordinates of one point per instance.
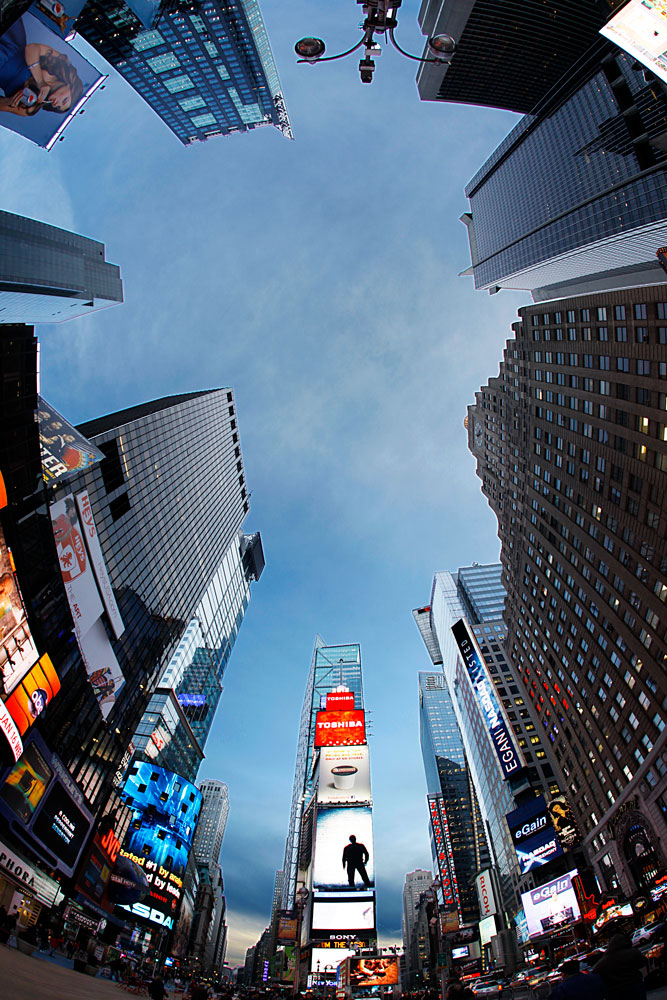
(318, 278)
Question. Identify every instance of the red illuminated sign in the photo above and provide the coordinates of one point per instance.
(341, 701)
(340, 729)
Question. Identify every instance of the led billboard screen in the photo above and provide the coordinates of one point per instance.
(499, 729)
(26, 783)
(17, 649)
(64, 450)
(30, 698)
(444, 853)
(640, 29)
(346, 915)
(533, 835)
(344, 849)
(326, 962)
(344, 775)
(374, 971)
(61, 826)
(339, 729)
(551, 905)
(337, 700)
(44, 81)
(564, 823)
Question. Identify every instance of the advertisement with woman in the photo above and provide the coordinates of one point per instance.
(43, 81)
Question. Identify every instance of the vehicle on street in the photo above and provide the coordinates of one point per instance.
(487, 988)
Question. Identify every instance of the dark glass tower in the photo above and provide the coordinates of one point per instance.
(571, 447)
(205, 67)
(575, 197)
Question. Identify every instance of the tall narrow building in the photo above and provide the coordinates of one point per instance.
(212, 822)
(416, 883)
(571, 447)
(205, 68)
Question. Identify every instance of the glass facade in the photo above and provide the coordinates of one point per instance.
(330, 667)
(607, 180)
(49, 275)
(205, 67)
(482, 592)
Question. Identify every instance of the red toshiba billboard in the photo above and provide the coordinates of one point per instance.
(340, 729)
(337, 700)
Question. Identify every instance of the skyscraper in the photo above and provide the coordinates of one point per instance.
(570, 446)
(205, 67)
(416, 883)
(592, 217)
(212, 822)
(483, 698)
(49, 275)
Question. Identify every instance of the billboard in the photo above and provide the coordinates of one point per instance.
(287, 927)
(165, 812)
(374, 971)
(339, 729)
(325, 962)
(64, 450)
(564, 822)
(344, 775)
(485, 893)
(10, 732)
(43, 79)
(26, 783)
(62, 827)
(551, 905)
(17, 648)
(75, 566)
(499, 729)
(344, 850)
(33, 694)
(533, 835)
(344, 915)
(18, 869)
(58, 15)
(444, 854)
(640, 29)
(104, 673)
(337, 700)
(99, 566)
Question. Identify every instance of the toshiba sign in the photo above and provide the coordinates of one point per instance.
(339, 729)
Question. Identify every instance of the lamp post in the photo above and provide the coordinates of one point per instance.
(380, 20)
(302, 895)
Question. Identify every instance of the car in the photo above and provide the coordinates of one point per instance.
(645, 934)
(487, 988)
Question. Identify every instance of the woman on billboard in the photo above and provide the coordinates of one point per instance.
(35, 76)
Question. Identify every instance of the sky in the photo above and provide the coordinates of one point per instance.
(319, 278)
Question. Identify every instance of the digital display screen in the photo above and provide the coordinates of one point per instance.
(344, 775)
(373, 971)
(344, 849)
(352, 915)
(26, 783)
(61, 826)
(462, 952)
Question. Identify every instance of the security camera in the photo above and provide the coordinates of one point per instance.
(366, 70)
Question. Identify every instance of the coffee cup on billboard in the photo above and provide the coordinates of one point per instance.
(344, 776)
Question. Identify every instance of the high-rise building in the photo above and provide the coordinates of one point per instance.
(416, 883)
(49, 275)
(486, 703)
(205, 67)
(330, 667)
(460, 850)
(570, 442)
(592, 217)
(212, 822)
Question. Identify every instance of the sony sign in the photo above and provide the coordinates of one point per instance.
(498, 728)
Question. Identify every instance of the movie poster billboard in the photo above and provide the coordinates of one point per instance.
(58, 15)
(44, 81)
(640, 29)
(564, 822)
(29, 699)
(344, 850)
(374, 971)
(64, 450)
(344, 775)
(17, 648)
(75, 566)
(104, 673)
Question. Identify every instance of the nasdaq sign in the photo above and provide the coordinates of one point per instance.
(503, 742)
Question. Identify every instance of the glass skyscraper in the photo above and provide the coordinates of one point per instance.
(204, 66)
(49, 275)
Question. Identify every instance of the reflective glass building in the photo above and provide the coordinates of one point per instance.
(576, 194)
(49, 275)
(205, 67)
(330, 667)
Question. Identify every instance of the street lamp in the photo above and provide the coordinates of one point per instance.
(380, 20)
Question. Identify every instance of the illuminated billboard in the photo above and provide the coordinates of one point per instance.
(344, 915)
(326, 962)
(339, 700)
(551, 905)
(44, 80)
(17, 649)
(33, 694)
(165, 812)
(374, 971)
(640, 29)
(339, 729)
(64, 450)
(498, 727)
(533, 835)
(485, 894)
(344, 775)
(444, 854)
(344, 849)
(564, 822)
(26, 783)
(75, 566)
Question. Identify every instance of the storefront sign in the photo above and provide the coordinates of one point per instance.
(29, 878)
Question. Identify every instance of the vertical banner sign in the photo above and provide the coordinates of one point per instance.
(498, 728)
(486, 895)
(99, 565)
(77, 573)
(102, 667)
(445, 853)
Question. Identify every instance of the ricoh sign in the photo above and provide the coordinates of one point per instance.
(501, 737)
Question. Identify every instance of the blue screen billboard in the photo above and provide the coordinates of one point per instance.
(533, 835)
(165, 812)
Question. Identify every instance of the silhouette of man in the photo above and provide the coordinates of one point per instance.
(355, 857)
